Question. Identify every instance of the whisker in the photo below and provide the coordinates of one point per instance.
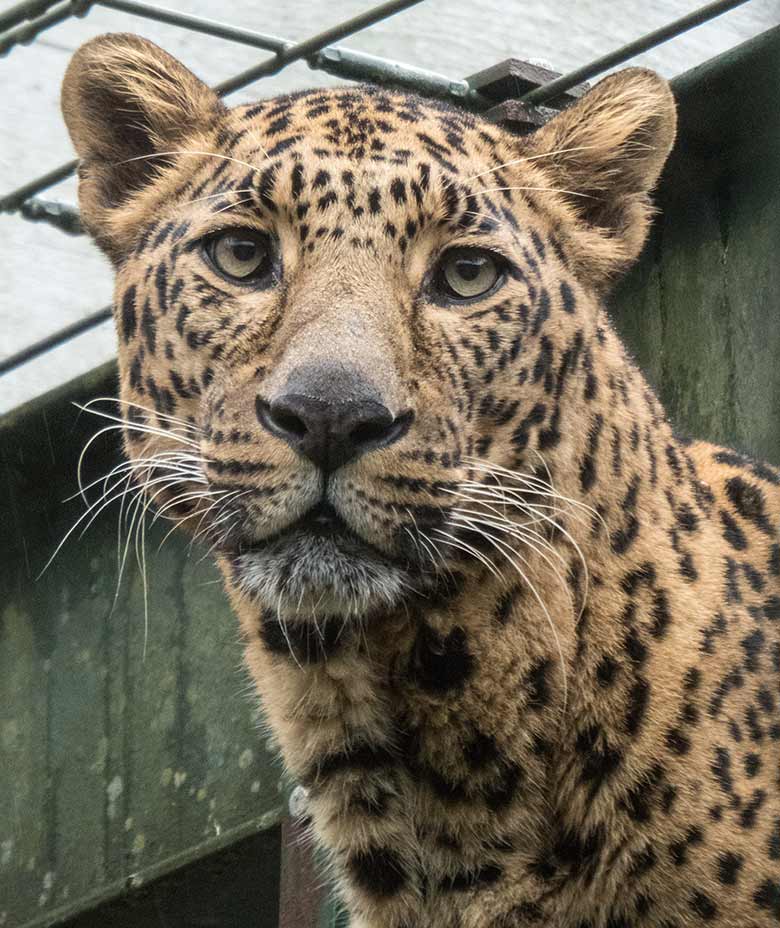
(216, 196)
(546, 154)
(177, 420)
(571, 193)
(203, 154)
(450, 539)
(224, 209)
(502, 547)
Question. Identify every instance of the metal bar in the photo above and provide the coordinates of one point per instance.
(340, 62)
(316, 43)
(52, 341)
(15, 199)
(198, 24)
(555, 88)
(60, 215)
(28, 9)
(358, 66)
(25, 34)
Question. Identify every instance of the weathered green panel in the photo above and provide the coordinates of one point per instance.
(702, 311)
(124, 750)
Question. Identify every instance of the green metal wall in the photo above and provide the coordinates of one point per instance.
(702, 311)
(118, 762)
(118, 766)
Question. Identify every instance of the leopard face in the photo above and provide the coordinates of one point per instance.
(354, 299)
(516, 637)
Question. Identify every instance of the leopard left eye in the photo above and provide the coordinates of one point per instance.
(467, 273)
(241, 255)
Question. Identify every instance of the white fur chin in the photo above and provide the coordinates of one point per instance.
(309, 575)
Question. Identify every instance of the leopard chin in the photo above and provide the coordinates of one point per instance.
(303, 574)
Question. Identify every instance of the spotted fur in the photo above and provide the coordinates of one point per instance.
(579, 732)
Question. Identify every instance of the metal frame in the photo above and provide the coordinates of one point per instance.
(22, 23)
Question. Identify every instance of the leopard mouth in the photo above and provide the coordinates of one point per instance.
(322, 522)
(320, 566)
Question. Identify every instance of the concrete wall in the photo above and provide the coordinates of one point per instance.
(50, 279)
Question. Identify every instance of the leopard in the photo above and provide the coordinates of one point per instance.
(514, 634)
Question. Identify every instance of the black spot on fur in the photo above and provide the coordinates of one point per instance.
(301, 640)
(378, 871)
(638, 699)
(729, 865)
(441, 663)
(749, 502)
(567, 298)
(537, 685)
(732, 532)
(506, 603)
(703, 906)
(129, 319)
(502, 791)
(767, 896)
(362, 756)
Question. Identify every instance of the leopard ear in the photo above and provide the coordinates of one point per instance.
(124, 99)
(604, 155)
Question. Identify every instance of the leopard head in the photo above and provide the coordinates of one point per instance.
(341, 313)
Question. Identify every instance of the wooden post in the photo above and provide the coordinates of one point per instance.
(301, 891)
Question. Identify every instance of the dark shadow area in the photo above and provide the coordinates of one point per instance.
(235, 888)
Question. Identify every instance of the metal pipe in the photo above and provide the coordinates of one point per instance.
(553, 89)
(25, 34)
(60, 215)
(358, 66)
(52, 341)
(315, 44)
(27, 9)
(198, 24)
(14, 200)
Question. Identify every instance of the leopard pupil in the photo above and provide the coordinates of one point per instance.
(469, 270)
(244, 251)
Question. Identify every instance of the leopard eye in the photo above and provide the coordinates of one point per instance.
(241, 254)
(468, 272)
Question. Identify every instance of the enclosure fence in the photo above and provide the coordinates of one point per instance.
(25, 21)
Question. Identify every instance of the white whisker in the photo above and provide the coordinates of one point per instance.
(545, 154)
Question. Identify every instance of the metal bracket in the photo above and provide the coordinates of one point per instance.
(508, 82)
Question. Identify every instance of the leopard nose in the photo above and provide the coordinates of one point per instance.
(331, 434)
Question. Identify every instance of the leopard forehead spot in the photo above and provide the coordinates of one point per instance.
(519, 641)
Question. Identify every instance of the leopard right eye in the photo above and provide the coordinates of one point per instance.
(242, 255)
(466, 274)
